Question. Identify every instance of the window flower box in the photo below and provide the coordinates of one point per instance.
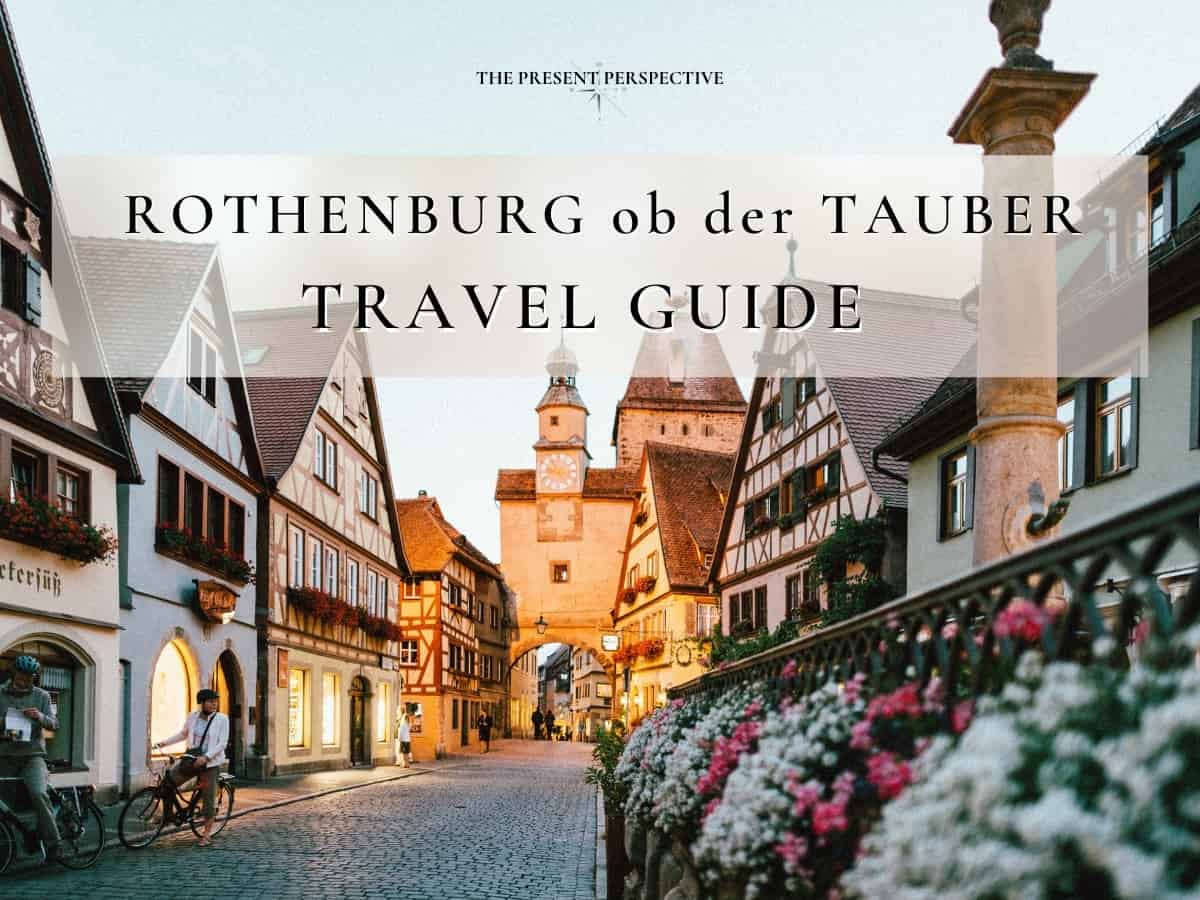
(333, 611)
(646, 583)
(651, 648)
(628, 595)
(183, 545)
(41, 524)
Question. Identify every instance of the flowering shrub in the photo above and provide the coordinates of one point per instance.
(792, 814)
(643, 763)
(183, 543)
(695, 771)
(1076, 781)
(41, 524)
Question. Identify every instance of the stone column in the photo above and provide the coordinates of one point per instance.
(1013, 115)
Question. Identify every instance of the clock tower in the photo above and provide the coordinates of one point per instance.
(561, 451)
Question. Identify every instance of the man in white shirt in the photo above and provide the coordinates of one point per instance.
(207, 734)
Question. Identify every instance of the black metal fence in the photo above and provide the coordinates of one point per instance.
(1087, 596)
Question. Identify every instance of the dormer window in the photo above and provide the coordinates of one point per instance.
(202, 367)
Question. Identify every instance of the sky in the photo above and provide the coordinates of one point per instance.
(400, 78)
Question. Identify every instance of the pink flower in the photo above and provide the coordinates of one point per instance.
(889, 774)
(934, 695)
(1021, 620)
(827, 817)
(852, 689)
(960, 716)
(792, 849)
(860, 735)
(950, 631)
(805, 795)
(843, 787)
(789, 669)
(1141, 632)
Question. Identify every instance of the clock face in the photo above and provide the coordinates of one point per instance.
(558, 472)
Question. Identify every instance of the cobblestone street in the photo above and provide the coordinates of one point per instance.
(516, 823)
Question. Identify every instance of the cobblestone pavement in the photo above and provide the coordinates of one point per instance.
(515, 824)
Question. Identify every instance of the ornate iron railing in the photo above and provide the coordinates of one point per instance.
(951, 628)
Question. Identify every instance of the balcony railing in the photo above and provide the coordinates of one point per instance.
(952, 627)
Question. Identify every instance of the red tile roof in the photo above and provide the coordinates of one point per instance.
(690, 488)
(283, 404)
(599, 484)
(430, 541)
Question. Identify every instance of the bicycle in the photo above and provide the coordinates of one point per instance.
(153, 808)
(80, 828)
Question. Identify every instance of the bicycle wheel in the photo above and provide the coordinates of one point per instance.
(81, 833)
(8, 845)
(224, 808)
(141, 820)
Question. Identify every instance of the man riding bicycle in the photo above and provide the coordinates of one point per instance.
(25, 711)
(207, 733)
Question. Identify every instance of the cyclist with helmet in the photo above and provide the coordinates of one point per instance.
(23, 751)
(207, 734)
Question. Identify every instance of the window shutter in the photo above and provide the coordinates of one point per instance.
(835, 472)
(969, 513)
(691, 618)
(33, 292)
(1134, 390)
(788, 391)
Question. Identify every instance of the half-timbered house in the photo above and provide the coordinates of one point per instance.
(330, 558)
(63, 451)
(188, 532)
(664, 605)
(808, 456)
(453, 655)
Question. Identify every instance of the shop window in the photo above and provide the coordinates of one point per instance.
(297, 708)
(171, 692)
(382, 712)
(330, 702)
(63, 678)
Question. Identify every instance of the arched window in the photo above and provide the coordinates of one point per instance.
(171, 693)
(62, 676)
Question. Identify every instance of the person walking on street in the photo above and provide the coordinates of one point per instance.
(207, 734)
(538, 719)
(25, 712)
(404, 741)
(484, 724)
(549, 724)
